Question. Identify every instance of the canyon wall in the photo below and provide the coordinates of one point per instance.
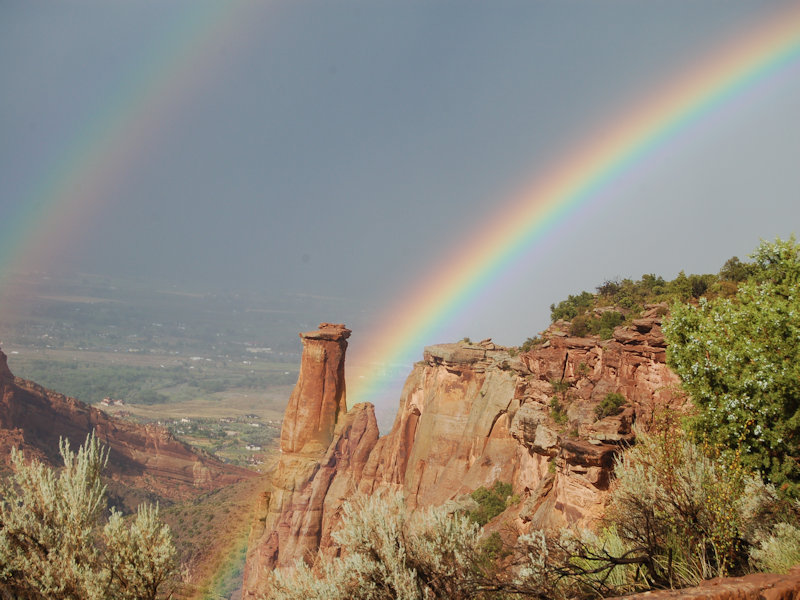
(469, 415)
(145, 461)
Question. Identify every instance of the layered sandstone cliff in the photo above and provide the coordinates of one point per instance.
(324, 449)
(470, 415)
(144, 460)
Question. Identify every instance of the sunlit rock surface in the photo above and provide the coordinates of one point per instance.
(469, 415)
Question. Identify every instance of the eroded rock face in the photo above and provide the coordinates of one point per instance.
(470, 415)
(324, 449)
(144, 460)
(473, 414)
(319, 395)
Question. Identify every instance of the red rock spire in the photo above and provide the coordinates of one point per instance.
(5, 372)
(319, 395)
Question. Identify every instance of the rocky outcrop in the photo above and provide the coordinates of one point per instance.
(319, 396)
(323, 453)
(470, 415)
(145, 461)
(758, 586)
(474, 414)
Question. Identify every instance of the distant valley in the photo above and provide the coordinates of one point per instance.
(213, 368)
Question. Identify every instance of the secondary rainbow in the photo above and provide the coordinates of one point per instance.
(69, 194)
(573, 183)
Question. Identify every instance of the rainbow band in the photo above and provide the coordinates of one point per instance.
(574, 183)
(71, 194)
(67, 199)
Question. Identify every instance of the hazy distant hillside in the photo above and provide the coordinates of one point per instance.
(89, 312)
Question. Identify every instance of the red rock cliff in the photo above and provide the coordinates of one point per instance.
(319, 395)
(473, 414)
(470, 414)
(143, 460)
(324, 449)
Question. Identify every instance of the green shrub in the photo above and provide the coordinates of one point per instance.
(528, 344)
(736, 271)
(558, 403)
(610, 405)
(579, 326)
(604, 326)
(571, 307)
(491, 502)
(739, 359)
(558, 411)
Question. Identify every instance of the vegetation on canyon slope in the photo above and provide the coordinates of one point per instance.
(710, 497)
(619, 300)
(58, 542)
(678, 514)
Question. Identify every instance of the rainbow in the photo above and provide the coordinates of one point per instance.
(573, 183)
(71, 192)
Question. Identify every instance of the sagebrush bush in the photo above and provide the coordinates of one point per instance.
(57, 544)
(779, 551)
(684, 507)
(391, 554)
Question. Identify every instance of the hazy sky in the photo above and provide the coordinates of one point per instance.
(343, 148)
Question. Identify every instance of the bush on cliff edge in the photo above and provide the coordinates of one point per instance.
(391, 554)
(739, 359)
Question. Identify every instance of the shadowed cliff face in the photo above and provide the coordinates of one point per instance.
(469, 415)
(144, 460)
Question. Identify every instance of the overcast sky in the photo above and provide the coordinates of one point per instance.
(342, 148)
